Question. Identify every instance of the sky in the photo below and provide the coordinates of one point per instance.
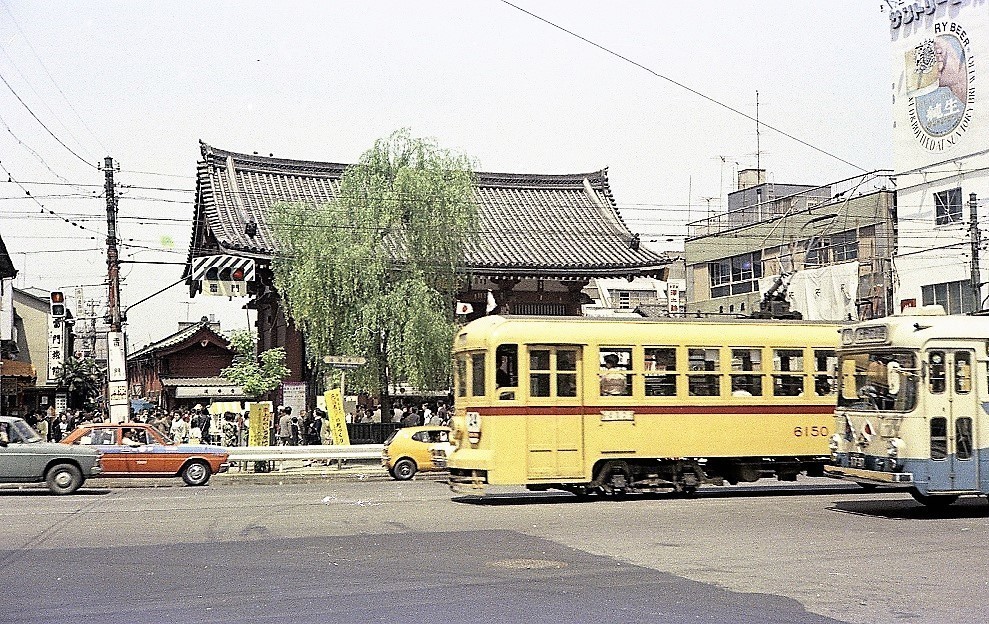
(663, 94)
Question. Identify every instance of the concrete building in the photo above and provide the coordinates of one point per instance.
(939, 59)
(827, 246)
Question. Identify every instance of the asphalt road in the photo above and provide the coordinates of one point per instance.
(352, 550)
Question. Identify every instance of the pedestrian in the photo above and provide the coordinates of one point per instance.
(285, 425)
(42, 428)
(229, 430)
(315, 427)
(295, 431)
(180, 429)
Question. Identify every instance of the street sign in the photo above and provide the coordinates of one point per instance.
(345, 362)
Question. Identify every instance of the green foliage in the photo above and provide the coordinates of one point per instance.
(257, 375)
(375, 272)
(83, 379)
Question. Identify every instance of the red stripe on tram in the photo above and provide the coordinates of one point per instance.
(579, 410)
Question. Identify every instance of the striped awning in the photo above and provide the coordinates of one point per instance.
(205, 264)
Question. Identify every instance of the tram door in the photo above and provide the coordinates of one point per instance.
(952, 407)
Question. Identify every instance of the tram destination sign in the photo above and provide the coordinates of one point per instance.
(870, 334)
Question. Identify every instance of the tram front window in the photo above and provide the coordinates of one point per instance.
(879, 381)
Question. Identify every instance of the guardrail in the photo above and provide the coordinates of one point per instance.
(313, 452)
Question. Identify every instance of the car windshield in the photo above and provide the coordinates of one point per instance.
(20, 431)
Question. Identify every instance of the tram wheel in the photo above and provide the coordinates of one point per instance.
(934, 501)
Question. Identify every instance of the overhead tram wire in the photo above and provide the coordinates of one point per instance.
(683, 86)
(37, 57)
(54, 136)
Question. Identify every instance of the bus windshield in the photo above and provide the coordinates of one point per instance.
(879, 381)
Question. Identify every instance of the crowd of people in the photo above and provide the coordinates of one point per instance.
(184, 425)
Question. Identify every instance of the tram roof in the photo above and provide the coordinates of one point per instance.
(585, 330)
(923, 325)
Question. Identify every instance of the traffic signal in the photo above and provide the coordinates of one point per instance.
(57, 304)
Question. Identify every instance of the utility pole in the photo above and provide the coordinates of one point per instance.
(973, 215)
(118, 396)
(112, 254)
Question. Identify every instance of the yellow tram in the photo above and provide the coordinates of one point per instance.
(614, 406)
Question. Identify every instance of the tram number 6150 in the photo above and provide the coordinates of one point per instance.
(812, 432)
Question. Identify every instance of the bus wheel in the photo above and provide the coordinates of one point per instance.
(934, 501)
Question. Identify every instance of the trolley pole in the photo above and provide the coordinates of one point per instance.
(973, 215)
(118, 396)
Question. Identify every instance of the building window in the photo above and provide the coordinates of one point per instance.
(833, 249)
(736, 275)
(630, 299)
(948, 207)
(954, 297)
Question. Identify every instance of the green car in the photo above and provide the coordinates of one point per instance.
(25, 458)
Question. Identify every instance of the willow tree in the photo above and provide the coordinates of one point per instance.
(374, 272)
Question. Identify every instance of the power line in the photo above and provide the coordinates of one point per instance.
(683, 86)
(54, 136)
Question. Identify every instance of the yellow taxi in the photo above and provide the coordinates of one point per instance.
(410, 450)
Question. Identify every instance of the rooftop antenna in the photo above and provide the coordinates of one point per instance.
(758, 153)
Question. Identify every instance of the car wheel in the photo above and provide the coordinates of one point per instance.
(196, 473)
(404, 469)
(63, 479)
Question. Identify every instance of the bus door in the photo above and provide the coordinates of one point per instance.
(555, 424)
(952, 404)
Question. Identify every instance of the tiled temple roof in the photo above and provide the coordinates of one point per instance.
(554, 226)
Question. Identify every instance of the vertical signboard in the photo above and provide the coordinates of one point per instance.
(118, 397)
(294, 396)
(337, 420)
(259, 424)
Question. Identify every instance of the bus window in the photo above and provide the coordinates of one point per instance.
(614, 380)
(939, 437)
(963, 372)
(825, 372)
(539, 372)
(477, 382)
(788, 361)
(935, 360)
(702, 362)
(661, 366)
(566, 372)
(963, 438)
(865, 381)
(460, 372)
(744, 362)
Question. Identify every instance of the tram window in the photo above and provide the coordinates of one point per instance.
(539, 372)
(614, 380)
(461, 374)
(963, 372)
(935, 361)
(963, 438)
(788, 385)
(939, 437)
(825, 372)
(749, 361)
(566, 372)
(660, 360)
(702, 360)
(478, 385)
(787, 360)
(507, 373)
